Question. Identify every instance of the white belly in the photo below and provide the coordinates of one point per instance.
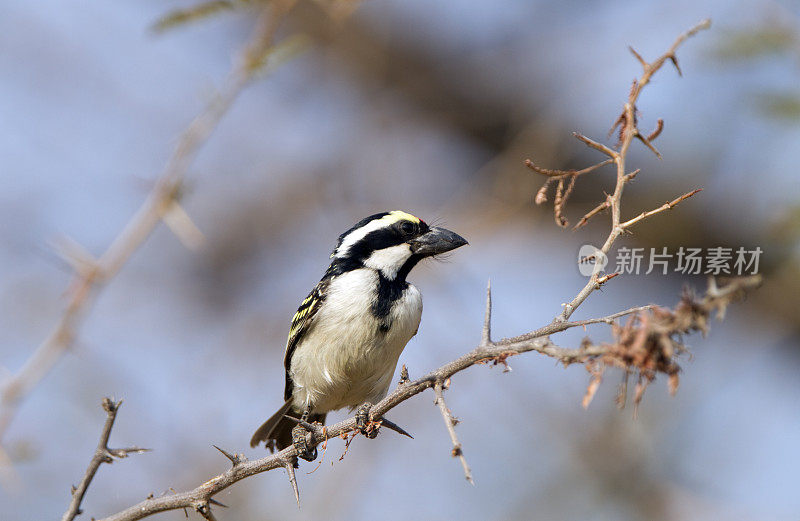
(345, 359)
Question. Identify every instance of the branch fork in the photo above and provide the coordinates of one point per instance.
(102, 454)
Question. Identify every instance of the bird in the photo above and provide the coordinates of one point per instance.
(347, 335)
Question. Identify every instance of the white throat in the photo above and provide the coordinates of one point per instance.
(389, 260)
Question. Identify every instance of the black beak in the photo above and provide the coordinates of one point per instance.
(436, 241)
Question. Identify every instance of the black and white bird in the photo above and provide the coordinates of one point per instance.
(347, 335)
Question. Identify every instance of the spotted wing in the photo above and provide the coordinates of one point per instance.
(301, 321)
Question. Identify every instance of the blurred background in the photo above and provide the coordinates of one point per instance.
(430, 107)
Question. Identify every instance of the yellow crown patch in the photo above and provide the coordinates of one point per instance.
(399, 215)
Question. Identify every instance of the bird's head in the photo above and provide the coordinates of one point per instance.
(392, 243)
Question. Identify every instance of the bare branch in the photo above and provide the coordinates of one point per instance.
(179, 222)
(595, 145)
(103, 454)
(557, 327)
(159, 205)
(628, 131)
(564, 173)
(605, 278)
(594, 211)
(670, 54)
(632, 175)
(486, 335)
(666, 206)
(450, 422)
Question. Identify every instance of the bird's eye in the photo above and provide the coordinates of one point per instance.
(407, 228)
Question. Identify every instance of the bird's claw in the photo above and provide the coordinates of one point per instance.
(363, 423)
(301, 444)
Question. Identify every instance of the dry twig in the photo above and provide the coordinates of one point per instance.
(628, 131)
(565, 173)
(161, 205)
(103, 454)
(666, 206)
(450, 422)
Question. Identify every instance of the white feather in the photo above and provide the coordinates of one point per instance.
(344, 358)
(389, 260)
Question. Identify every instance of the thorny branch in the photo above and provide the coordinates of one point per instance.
(649, 350)
(450, 422)
(665, 206)
(628, 131)
(647, 344)
(162, 204)
(103, 454)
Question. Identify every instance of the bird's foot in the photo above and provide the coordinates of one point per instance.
(301, 444)
(366, 427)
(370, 428)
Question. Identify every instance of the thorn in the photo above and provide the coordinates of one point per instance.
(308, 426)
(293, 482)
(639, 58)
(215, 502)
(124, 453)
(486, 337)
(393, 426)
(236, 459)
(648, 144)
(674, 60)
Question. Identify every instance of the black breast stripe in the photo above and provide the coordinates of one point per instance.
(389, 291)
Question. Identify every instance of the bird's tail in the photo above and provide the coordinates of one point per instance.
(277, 430)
